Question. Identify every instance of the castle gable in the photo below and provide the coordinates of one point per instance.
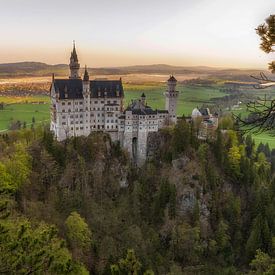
(69, 88)
(106, 88)
(73, 88)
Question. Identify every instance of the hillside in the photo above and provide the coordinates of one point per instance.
(81, 207)
(22, 69)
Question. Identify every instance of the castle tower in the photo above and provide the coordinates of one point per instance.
(87, 103)
(143, 99)
(171, 98)
(74, 65)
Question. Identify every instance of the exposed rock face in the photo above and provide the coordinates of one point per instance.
(180, 163)
(187, 200)
(154, 141)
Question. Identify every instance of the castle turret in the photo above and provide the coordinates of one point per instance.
(74, 65)
(87, 102)
(143, 99)
(171, 98)
(52, 90)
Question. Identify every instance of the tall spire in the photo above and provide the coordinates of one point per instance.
(86, 75)
(74, 65)
(74, 54)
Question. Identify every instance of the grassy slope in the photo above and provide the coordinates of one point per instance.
(23, 112)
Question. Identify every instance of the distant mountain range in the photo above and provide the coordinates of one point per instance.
(21, 69)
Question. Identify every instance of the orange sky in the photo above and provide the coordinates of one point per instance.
(127, 32)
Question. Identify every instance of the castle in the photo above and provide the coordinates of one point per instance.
(81, 106)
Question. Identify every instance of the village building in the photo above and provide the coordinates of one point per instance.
(207, 123)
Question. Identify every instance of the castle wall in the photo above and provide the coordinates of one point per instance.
(141, 146)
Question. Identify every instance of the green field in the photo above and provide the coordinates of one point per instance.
(261, 137)
(189, 97)
(25, 113)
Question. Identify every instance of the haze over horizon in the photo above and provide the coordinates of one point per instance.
(110, 33)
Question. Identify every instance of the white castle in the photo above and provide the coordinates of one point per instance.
(81, 106)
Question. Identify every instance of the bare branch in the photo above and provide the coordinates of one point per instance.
(263, 81)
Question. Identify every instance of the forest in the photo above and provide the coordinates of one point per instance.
(82, 207)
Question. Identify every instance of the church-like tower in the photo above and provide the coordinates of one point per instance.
(171, 98)
(74, 65)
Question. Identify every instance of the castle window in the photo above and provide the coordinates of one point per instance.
(72, 128)
(76, 103)
(63, 123)
(76, 128)
(108, 102)
(102, 102)
(80, 110)
(69, 103)
(71, 116)
(95, 102)
(81, 103)
(81, 122)
(81, 128)
(76, 122)
(63, 103)
(63, 117)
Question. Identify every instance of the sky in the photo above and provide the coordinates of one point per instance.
(218, 33)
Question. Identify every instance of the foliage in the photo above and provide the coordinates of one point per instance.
(193, 208)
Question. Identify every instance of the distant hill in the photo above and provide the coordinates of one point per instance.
(31, 69)
(22, 69)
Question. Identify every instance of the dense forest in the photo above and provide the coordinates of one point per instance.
(82, 207)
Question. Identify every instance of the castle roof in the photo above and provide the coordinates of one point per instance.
(138, 108)
(205, 111)
(74, 54)
(196, 113)
(145, 111)
(73, 88)
(172, 78)
(86, 75)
